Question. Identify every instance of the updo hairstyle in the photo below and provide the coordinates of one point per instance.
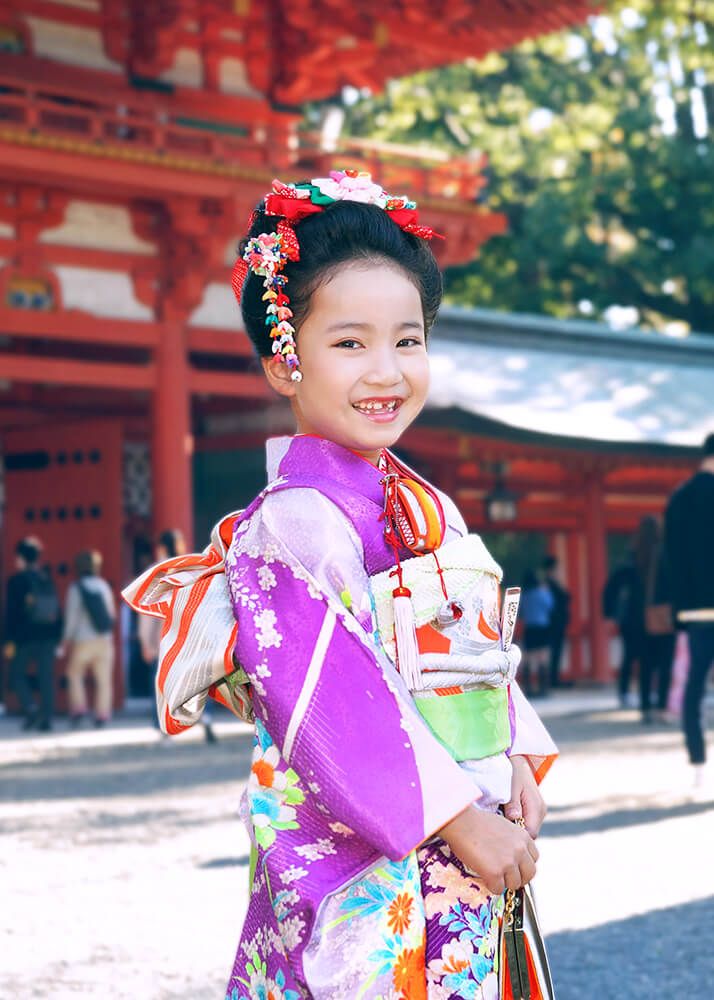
(344, 231)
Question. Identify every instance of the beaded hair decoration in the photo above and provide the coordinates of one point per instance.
(267, 254)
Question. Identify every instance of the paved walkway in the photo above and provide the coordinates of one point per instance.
(126, 864)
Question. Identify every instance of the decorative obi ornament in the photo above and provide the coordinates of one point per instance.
(415, 514)
(189, 595)
(461, 689)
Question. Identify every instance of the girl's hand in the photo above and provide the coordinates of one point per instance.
(526, 800)
(503, 855)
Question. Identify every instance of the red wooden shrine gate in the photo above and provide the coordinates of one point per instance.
(57, 478)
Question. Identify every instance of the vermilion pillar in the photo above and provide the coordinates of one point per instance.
(595, 537)
(172, 441)
(574, 582)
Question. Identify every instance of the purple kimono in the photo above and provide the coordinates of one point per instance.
(352, 894)
(347, 781)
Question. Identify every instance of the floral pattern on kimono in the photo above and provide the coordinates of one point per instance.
(376, 929)
(462, 928)
(273, 793)
(260, 986)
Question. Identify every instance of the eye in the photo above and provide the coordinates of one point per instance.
(349, 344)
(410, 342)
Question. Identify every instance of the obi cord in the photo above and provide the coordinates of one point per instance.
(267, 254)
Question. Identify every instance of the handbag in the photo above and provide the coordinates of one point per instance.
(659, 619)
(524, 973)
(523, 970)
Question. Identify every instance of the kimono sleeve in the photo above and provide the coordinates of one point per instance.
(530, 737)
(323, 688)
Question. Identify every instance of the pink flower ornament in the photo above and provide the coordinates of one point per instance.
(340, 186)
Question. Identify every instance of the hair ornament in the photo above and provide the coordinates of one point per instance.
(267, 253)
(266, 256)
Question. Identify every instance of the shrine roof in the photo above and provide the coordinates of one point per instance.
(570, 380)
(323, 45)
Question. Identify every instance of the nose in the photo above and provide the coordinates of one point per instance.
(385, 369)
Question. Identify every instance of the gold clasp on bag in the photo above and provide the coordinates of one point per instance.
(520, 934)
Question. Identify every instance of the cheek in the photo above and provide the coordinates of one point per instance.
(419, 375)
(328, 378)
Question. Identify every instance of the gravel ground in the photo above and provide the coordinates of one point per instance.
(125, 864)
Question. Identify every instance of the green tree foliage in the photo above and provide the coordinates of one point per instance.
(600, 154)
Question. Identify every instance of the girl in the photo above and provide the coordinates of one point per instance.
(370, 809)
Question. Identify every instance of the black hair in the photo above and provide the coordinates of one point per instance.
(549, 562)
(343, 232)
(173, 541)
(88, 563)
(708, 446)
(29, 549)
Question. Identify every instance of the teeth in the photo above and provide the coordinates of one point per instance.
(374, 407)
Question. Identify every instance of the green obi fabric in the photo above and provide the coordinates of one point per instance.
(470, 724)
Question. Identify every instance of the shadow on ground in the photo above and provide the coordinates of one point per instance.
(101, 772)
(241, 861)
(614, 819)
(635, 958)
(584, 728)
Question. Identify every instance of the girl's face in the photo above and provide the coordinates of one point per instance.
(362, 351)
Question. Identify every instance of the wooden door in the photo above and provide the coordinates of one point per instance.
(63, 484)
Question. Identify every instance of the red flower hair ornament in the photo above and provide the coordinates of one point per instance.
(267, 254)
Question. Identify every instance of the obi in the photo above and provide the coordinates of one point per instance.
(460, 686)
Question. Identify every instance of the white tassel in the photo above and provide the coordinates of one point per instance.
(405, 638)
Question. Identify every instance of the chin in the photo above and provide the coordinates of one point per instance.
(385, 438)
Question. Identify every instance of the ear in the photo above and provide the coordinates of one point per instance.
(278, 376)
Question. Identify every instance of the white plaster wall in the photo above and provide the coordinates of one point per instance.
(70, 43)
(232, 78)
(101, 293)
(187, 69)
(219, 309)
(93, 224)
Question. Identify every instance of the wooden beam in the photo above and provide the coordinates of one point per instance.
(58, 371)
(204, 340)
(460, 446)
(211, 383)
(73, 325)
(59, 254)
(82, 167)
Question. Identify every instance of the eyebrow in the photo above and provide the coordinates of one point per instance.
(354, 325)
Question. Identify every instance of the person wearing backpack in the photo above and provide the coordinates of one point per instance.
(33, 622)
(89, 623)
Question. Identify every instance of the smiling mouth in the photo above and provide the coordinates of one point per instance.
(376, 406)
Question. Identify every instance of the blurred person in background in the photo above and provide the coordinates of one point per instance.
(623, 602)
(659, 632)
(689, 552)
(90, 614)
(169, 544)
(33, 623)
(537, 604)
(559, 617)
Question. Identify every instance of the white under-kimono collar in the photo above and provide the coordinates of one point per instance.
(275, 451)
